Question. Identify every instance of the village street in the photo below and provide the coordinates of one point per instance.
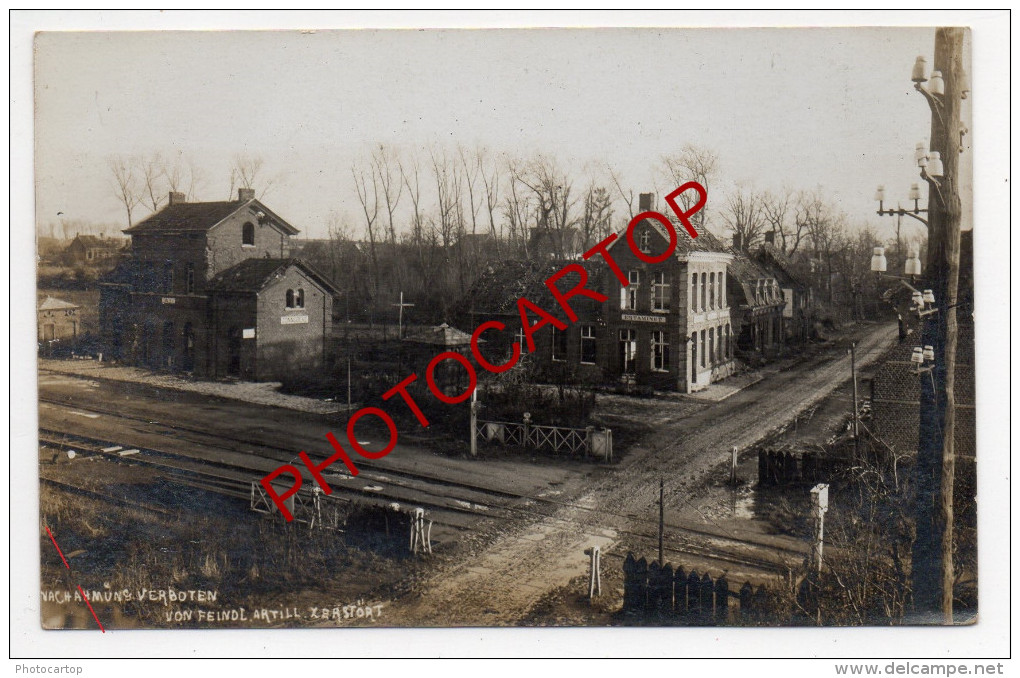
(500, 584)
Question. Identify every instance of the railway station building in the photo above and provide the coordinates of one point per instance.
(210, 288)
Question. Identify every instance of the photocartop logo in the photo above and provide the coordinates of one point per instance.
(524, 307)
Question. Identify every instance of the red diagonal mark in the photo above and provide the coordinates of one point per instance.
(56, 546)
(90, 609)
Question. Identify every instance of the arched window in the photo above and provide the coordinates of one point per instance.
(248, 234)
(290, 298)
(711, 289)
(704, 286)
(300, 300)
(694, 292)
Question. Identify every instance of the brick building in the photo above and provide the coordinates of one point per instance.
(578, 353)
(57, 320)
(758, 305)
(670, 328)
(799, 309)
(210, 288)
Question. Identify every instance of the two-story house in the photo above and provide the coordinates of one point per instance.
(210, 288)
(671, 322)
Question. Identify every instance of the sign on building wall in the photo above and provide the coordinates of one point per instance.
(169, 300)
(631, 317)
(294, 320)
(248, 333)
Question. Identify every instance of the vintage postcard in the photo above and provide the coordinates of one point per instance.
(505, 328)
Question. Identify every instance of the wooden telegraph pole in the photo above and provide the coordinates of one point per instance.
(932, 557)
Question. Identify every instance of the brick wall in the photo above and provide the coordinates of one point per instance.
(287, 347)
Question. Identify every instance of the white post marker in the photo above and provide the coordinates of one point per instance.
(819, 506)
(595, 574)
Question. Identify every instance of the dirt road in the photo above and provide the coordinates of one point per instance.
(498, 586)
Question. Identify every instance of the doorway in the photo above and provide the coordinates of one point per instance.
(234, 352)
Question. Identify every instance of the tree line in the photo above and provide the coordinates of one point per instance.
(427, 221)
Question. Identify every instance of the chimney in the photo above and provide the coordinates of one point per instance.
(736, 241)
(645, 201)
(176, 198)
(245, 194)
(770, 238)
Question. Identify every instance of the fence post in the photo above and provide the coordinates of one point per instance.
(680, 592)
(819, 506)
(722, 600)
(629, 587)
(474, 422)
(589, 444)
(527, 429)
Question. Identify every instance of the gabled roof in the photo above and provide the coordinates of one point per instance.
(254, 275)
(685, 245)
(771, 256)
(52, 304)
(441, 335)
(96, 241)
(747, 274)
(201, 216)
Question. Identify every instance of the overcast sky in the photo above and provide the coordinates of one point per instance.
(803, 108)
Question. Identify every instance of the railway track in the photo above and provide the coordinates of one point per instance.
(453, 506)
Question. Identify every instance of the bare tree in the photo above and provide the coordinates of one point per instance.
(775, 210)
(126, 184)
(626, 195)
(551, 187)
(517, 206)
(151, 171)
(422, 240)
(248, 171)
(490, 180)
(743, 214)
(692, 163)
(181, 175)
(368, 196)
(597, 215)
(387, 167)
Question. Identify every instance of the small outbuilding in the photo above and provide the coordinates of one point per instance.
(58, 320)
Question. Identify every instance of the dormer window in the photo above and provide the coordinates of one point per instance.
(248, 235)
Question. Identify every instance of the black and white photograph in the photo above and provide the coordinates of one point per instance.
(648, 327)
